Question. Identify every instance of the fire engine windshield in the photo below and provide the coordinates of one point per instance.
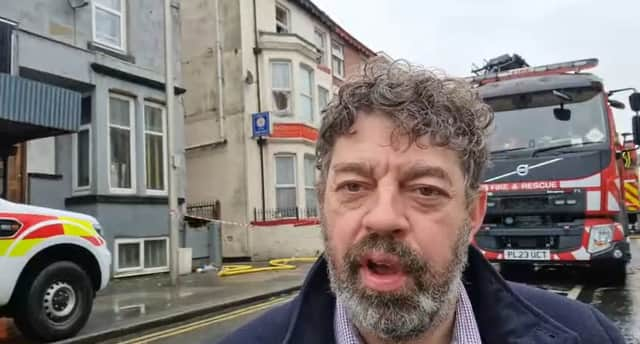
(527, 121)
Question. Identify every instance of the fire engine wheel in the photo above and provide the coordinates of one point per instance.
(55, 303)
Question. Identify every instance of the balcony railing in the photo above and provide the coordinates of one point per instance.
(296, 213)
(208, 210)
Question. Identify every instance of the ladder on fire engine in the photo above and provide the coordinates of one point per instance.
(491, 75)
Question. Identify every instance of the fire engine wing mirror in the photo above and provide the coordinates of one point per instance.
(635, 124)
(616, 104)
(562, 114)
(634, 102)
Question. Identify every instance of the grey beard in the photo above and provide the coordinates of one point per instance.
(407, 314)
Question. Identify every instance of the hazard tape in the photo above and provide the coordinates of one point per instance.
(223, 222)
(631, 188)
(300, 222)
(231, 223)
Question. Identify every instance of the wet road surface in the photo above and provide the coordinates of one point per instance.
(206, 330)
(619, 301)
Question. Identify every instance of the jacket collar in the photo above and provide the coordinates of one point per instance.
(502, 315)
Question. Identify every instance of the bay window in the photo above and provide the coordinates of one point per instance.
(286, 201)
(305, 108)
(154, 147)
(311, 199)
(121, 144)
(281, 87)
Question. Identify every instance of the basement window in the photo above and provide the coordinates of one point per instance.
(137, 256)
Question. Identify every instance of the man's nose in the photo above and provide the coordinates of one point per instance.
(386, 214)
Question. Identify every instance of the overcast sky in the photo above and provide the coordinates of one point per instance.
(451, 35)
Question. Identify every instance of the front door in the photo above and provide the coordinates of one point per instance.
(12, 176)
(3, 178)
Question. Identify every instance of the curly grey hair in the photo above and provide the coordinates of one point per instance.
(421, 103)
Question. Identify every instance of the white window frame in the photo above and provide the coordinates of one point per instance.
(132, 143)
(85, 188)
(140, 269)
(286, 25)
(339, 57)
(287, 186)
(304, 182)
(116, 263)
(320, 89)
(164, 148)
(290, 110)
(323, 45)
(123, 24)
(309, 96)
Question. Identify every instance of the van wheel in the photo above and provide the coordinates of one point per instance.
(55, 303)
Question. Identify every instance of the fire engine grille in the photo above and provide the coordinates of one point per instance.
(552, 242)
(524, 203)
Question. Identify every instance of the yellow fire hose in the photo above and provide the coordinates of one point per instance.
(275, 264)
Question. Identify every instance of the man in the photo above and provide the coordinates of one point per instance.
(401, 152)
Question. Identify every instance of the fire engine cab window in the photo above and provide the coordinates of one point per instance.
(528, 120)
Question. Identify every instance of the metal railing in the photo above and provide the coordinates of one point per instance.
(207, 209)
(296, 213)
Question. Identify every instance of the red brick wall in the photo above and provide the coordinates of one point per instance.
(353, 61)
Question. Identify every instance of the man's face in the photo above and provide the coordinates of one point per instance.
(397, 226)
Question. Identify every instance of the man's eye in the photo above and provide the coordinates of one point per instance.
(426, 191)
(353, 187)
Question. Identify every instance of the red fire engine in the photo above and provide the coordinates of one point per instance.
(556, 182)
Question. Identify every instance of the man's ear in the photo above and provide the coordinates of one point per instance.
(477, 211)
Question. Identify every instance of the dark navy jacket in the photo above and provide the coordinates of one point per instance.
(505, 313)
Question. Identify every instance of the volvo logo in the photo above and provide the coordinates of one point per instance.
(522, 170)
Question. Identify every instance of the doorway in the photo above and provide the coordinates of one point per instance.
(12, 175)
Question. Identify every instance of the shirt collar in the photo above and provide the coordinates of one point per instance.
(465, 330)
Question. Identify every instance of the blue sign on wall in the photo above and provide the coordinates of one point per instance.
(260, 123)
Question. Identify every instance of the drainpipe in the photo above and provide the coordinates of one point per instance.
(256, 55)
(256, 52)
(219, 71)
(261, 141)
(172, 161)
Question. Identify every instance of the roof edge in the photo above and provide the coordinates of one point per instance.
(315, 11)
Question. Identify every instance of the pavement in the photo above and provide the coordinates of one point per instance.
(136, 304)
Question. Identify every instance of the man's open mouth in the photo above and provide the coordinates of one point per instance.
(382, 271)
(383, 266)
